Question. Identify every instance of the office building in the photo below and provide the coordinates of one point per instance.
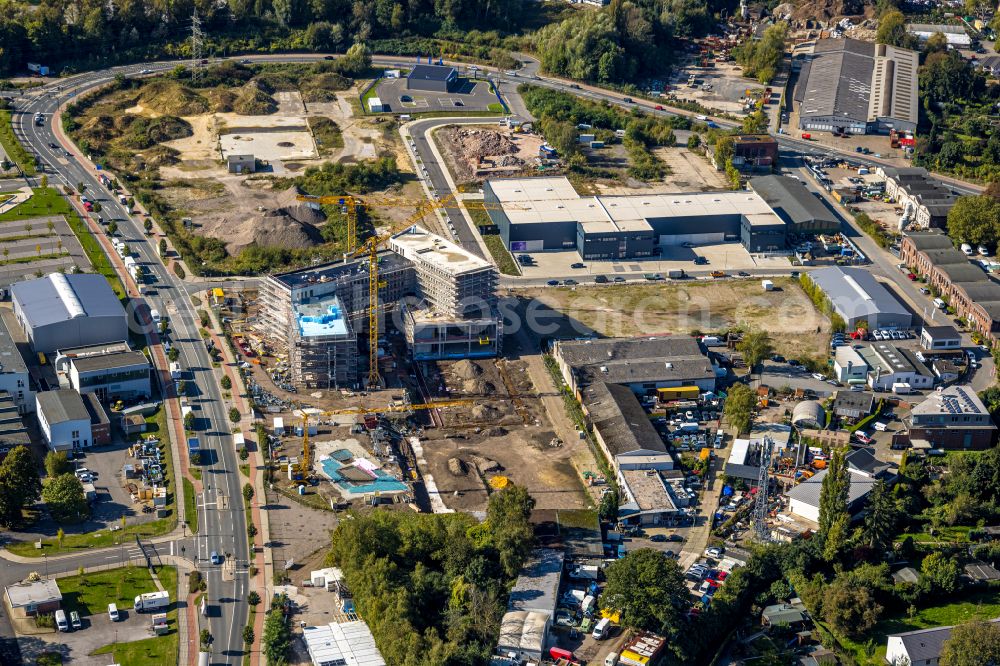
(61, 311)
(888, 365)
(14, 378)
(64, 420)
(112, 371)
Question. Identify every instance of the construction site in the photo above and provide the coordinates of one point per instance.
(484, 151)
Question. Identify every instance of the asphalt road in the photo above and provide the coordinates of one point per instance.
(222, 522)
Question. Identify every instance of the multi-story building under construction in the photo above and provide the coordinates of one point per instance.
(316, 315)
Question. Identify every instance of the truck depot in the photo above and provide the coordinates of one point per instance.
(546, 214)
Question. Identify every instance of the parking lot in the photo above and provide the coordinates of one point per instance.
(727, 257)
(30, 246)
(98, 630)
(468, 96)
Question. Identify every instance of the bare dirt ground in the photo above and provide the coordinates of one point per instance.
(482, 151)
(681, 308)
(690, 172)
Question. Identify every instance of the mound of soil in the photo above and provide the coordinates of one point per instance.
(484, 143)
(321, 88)
(291, 224)
(253, 100)
(221, 99)
(457, 466)
(171, 98)
(467, 369)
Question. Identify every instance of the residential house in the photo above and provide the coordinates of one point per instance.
(951, 418)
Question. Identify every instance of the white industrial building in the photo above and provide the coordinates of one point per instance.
(858, 297)
(64, 420)
(342, 644)
(888, 365)
(112, 372)
(61, 311)
(14, 378)
(955, 34)
(849, 365)
(531, 607)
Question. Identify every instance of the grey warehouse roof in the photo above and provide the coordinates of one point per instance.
(10, 358)
(622, 422)
(431, 73)
(109, 361)
(57, 297)
(837, 81)
(929, 240)
(62, 405)
(855, 292)
(790, 199)
(808, 491)
(537, 586)
(578, 353)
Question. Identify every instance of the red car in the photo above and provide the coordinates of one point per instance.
(87, 206)
(911, 276)
(659, 107)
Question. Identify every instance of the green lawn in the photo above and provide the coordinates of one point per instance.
(372, 92)
(979, 606)
(496, 107)
(73, 543)
(157, 651)
(501, 256)
(91, 593)
(190, 507)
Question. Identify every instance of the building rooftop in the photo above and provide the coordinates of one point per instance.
(343, 643)
(953, 400)
(863, 460)
(62, 405)
(553, 199)
(537, 586)
(523, 631)
(853, 404)
(837, 81)
(946, 256)
(923, 646)
(791, 200)
(643, 648)
(95, 409)
(929, 240)
(339, 271)
(846, 355)
(941, 332)
(57, 297)
(893, 359)
(322, 317)
(10, 357)
(27, 593)
(580, 353)
(94, 363)
(421, 246)
(632, 372)
(432, 72)
(855, 292)
(808, 491)
(647, 490)
(621, 421)
(967, 272)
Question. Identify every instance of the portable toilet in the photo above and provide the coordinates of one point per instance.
(767, 285)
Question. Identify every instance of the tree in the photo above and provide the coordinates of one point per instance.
(507, 527)
(248, 635)
(163, 247)
(56, 464)
(648, 590)
(276, 638)
(226, 383)
(755, 347)
(251, 531)
(20, 485)
(833, 493)
(881, 519)
(112, 228)
(64, 498)
(253, 598)
(892, 30)
(739, 407)
(975, 220)
(849, 607)
(173, 354)
(761, 58)
(206, 639)
(972, 644)
(244, 454)
(148, 225)
(936, 42)
(179, 270)
(189, 421)
(44, 181)
(234, 415)
(608, 509)
(357, 60)
(248, 492)
(693, 141)
(940, 573)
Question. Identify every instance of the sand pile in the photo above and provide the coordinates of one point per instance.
(292, 225)
(483, 143)
(466, 369)
(457, 466)
(254, 100)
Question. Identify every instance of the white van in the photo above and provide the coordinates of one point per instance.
(881, 427)
(939, 304)
(113, 612)
(967, 249)
(61, 623)
(611, 659)
(602, 630)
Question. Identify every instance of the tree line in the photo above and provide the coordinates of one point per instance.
(90, 32)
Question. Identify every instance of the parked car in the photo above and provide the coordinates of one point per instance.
(714, 552)
(578, 265)
(818, 376)
(658, 538)
(553, 283)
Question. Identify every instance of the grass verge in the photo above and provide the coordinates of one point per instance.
(157, 651)
(15, 151)
(190, 507)
(91, 593)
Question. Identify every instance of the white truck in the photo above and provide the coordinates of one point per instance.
(151, 601)
(175, 371)
(902, 388)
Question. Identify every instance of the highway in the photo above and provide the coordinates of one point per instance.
(222, 518)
